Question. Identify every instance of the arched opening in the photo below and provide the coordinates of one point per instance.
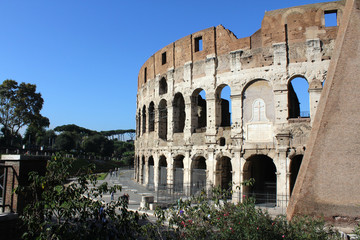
(223, 107)
(162, 173)
(298, 98)
(198, 175)
(144, 119)
(151, 173)
(178, 173)
(222, 141)
(262, 169)
(198, 110)
(258, 109)
(142, 169)
(224, 173)
(179, 113)
(294, 170)
(162, 86)
(151, 117)
(162, 119)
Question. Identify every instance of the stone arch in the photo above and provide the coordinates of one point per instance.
(290, 11)
(151, 116)
(163, 87)
(163, 119)
(179, 173)
(262, 169)
(179, 113)
(224, 169)
(223, 105)
(258, 130)
(198, 109)
(258, 89)
(151, 176)
(144, 119)
(198, 174)
(294, 170)
(298, 97)
(162, 173)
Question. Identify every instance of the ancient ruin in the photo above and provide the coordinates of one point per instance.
(190, 137)
(328, 183)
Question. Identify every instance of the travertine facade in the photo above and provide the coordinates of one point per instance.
(328, 182)
(186, 141)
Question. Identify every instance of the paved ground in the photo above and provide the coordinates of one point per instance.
(125, 178)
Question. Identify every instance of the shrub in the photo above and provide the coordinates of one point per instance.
(62, 210)
(204, 217)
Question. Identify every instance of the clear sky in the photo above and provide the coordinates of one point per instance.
(85, 55)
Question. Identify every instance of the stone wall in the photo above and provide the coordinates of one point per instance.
(292, 42)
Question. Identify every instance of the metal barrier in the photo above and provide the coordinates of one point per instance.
(275, 204)
(169, 194)
(4, 170)
(305, 114)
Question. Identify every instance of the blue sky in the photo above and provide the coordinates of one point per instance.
(85, 55)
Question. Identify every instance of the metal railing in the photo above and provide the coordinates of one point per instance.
(273, 203)
(4, 171)
(305, 114)
(170, 193)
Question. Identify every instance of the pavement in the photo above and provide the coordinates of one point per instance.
(125, 178)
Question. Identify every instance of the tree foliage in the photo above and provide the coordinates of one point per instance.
(98, 144)
(20, 106)
(74, 128)
(62, 210)
(66, 141)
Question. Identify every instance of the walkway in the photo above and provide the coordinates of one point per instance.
(125, 178)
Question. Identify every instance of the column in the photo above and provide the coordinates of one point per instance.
(156, 170)
(236, 176)
(187, 173)
(210, 169)
(146, 180)
(170, 172)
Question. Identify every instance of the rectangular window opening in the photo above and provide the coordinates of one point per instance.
(145, 75)
(330, 18)
(163, 58)
(198, 44)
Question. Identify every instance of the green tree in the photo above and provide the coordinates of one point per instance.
(98, 144)
(46, 139)
(59, 210)
(66, 141)
(20, 106)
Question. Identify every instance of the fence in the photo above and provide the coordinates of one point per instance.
(274, 203)
(305, 114)
(4, 170)
(170, 193)
(47, 152)
(166, 195)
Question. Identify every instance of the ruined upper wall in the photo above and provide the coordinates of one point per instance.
(292, 26)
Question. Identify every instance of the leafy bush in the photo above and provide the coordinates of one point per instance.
(62, 210)
(214, 217)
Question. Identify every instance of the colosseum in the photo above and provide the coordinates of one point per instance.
(217, 110)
